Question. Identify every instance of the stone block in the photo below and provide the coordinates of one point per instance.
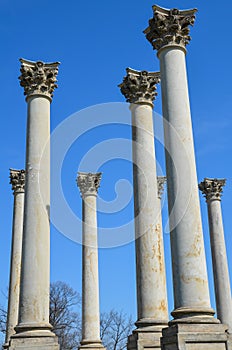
(34, 343)
(196, 337)
(147, 338)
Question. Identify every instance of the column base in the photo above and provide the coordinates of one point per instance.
(34, 343)
(146, 338)
(91, 345)
(35, 336)
(196, 337)
(193, 315)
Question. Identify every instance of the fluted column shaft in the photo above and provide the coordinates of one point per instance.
(88, 184)
(191, 293)
(212, 189)
(17, 180)
(139, 89)
(38, 81)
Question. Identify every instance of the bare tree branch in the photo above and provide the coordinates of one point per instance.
(66, 320)
(115, 328)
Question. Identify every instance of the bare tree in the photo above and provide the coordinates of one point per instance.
(66, 320)
(64, 315)
(115, 327)
(3, 318)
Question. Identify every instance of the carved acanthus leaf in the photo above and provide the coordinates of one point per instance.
(169, 27)
(38, 78)
(212, 188)
(161, 180)
(17, 180)
(88, 183)
(140, 86)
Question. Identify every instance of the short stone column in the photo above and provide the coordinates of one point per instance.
(139, 88)
(17, 180)
(88, 184)
(212, 190)
(33, 330)
(168, 32)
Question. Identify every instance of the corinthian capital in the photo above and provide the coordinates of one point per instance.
(212, 188)
(38, 78)
(140, 86)
(169, 27)
(88, 183)
(161, 180)
(17, 180)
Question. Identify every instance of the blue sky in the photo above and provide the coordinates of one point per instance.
(95, 42)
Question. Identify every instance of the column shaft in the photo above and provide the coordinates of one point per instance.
(220, 264)
(88, 184)
(187, 246)
(194, 326)
(33, 330)
(212, 190)
(15, 266)
(34, 295)
(139, 88)
(90, 289)
(150, 267)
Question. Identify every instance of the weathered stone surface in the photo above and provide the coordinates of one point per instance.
(161, 180)
(34, 343)
(147, 338)
(88, 184)
(17, 180)
(150, 267)
(194, 326)
(191, 293)
(169, 27)
(38, 78)
(212, 190)
(33, 326)
(196, 337)
(140, 86)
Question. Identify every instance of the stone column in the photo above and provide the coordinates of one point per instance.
(161, 180)
(168, 32)
(17, 180)
(212, 190)
(33, 330)
(139, 88)
(88, 184)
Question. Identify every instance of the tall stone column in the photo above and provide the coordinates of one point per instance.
(88, 184)
(212, 190)
(33, 330)
(17, 180)
(168, 32)
(139, 88)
